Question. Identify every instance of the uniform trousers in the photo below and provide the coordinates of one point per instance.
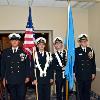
(84, 89)
(61, 84)
(17, 91)
(44, 91)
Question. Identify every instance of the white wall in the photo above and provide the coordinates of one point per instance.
(94, 34)
(44, 18)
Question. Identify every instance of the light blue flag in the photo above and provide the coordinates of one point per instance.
(69, 41)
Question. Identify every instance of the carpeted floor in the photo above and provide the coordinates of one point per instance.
(31, 96)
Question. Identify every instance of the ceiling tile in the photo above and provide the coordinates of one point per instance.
(18, 2)
(3, 2)
(90, 4)
(81, 4)
(50, 3)
(60, 4)
(43, 2)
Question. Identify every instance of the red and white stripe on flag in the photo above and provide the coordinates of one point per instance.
(29, 44)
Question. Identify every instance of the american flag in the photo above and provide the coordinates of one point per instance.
(29, 38)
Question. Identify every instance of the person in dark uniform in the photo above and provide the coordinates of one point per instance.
(44, 73)
(84, 67)
(59, 62)
(1, 85)
(0, 64)
(15, 68)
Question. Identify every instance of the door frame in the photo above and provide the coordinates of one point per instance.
(36, 31)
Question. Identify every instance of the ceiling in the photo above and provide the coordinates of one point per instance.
(50, 3)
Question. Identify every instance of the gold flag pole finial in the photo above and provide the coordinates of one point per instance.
(68, 1)
(30, 3)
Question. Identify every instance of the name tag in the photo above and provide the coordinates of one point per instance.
(8, 56)
(80, 54)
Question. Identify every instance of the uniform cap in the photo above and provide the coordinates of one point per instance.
(40, 40)
(14, 36)
(58, 39)
(82, 37)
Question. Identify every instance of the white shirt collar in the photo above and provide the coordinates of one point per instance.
(83, 48)
(15, 49)
(41, 53)
(60, 51)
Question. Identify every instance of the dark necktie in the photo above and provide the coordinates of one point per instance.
(14, 50)
(61, 54)
(41, 53)
(84, 50)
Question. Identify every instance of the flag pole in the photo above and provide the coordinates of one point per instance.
(67, 90)
(34, 50)
(67, 94)
(36, 87)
